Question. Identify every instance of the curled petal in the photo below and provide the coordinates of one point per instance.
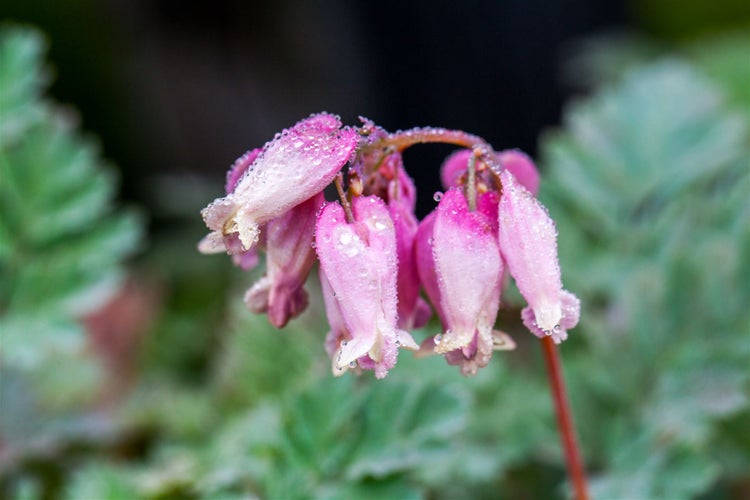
(290, 169)
(571, 312)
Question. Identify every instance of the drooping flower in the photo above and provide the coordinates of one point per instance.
(468, 268)
(296, 165)
(289, 259)
(359, 261)
(528, 242)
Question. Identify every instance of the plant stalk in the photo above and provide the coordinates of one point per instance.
(568, 437)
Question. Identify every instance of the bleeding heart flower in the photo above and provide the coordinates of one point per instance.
(469, 269)
(360, 264)
(528, 242)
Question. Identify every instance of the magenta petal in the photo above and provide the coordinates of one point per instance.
(469, 268)
(290, 169)
(425, 262)
(454, 167)
(522, 167)
(528, 241)
(359, 261)
(289, 258)
(405, 223)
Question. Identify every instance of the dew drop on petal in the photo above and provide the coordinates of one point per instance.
(438, 338)
(556, 328)
(345, 238)
(352, 364)
(437, 196)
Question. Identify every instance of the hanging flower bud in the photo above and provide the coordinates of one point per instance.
(289, 258)
(469, 270)
(528, 241)
(360, 263)
(296, 165)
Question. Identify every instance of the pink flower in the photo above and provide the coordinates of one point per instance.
(528, 241)
(296, 165)
(469, 271)
(289, 258)
(519, 164)
(522, 167)
(360, 264)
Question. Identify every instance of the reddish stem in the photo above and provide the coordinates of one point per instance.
(568, 436)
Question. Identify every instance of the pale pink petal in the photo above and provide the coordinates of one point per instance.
(528, 242)
(299, 163)
(359, 261)
(469, 268)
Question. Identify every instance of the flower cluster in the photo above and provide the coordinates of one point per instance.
(376, 257)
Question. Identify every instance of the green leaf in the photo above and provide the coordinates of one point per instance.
(61, 241)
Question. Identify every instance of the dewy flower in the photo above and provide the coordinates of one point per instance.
(469, 270)
(375, 255)
(296, 165)
(528, 242)
(359, 261)
(289, 258)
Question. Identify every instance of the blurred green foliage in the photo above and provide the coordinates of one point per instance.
(649, 182)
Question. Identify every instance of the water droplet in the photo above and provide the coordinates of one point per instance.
(316, 161)
(352, 364)
(398, 342)
(344, 343)
(298, 144)
(437, 196)
(548, 332)
(438, 338)
(556, 329)
(345, 238)
(380, 226)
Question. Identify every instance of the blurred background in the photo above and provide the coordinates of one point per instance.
(129, 367)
